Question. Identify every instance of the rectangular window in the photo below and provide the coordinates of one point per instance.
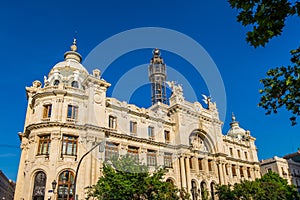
(246, 155)
(134, 152)
(241, 171)
(210, 168)
(47, 111)
(44, 145)
(248, 172)
(151, 132)
(226, 169)
(69, 145)
(112, 122)
(200, 164)
(133, 127)
(233, 170)
(111, 151)
(151, 158)
(167, 136)
(231, 152)
(269, 170)
(168, 160)
(239, 153)
(283, 172)
(72, 112)
(191, 163)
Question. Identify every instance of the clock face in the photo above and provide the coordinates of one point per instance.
(97, 98)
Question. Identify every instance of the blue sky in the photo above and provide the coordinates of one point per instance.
(35, 34)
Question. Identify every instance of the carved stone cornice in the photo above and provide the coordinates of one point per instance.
(178, 107)
(242, 161)
(139, 114)
(236, 143)
(220, 154)
(31, 127)
(111, 133)
(67, 91)
(91, 79)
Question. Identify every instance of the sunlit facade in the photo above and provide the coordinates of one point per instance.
(70, 113)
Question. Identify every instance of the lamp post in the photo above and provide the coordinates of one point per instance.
(101, 149)
(54, 183)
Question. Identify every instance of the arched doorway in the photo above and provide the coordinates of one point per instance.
(39, 186)
(65, 186)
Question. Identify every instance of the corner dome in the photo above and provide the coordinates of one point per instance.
(72, 62)
(235, 130)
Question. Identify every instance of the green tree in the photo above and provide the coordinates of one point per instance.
(270, 187)
(225, 192)
(248, 190)
(281, 87)
(126, 179)
(276, 187)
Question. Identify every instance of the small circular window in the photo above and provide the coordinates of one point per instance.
(74, 84)
(56, 82)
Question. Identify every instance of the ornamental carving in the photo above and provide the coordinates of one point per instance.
(198, 143)
(97, 98)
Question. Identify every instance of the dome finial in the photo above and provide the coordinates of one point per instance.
(233, 117)
(156, 52)
(73, 54)
(73, 46)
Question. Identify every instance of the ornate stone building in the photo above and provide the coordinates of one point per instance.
(7, 187)
(287, 167)
(277, 165)
(70, 113)
(293, 161)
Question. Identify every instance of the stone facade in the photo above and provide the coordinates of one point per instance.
(293, 161)
(277, 165)
(70, 114)
(287, 167)
(7, 187)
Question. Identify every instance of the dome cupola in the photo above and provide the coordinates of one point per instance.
(70, 72)
(73, 54)
(235, 130)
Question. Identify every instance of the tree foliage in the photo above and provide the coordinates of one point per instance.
(267, 19)
(126, 179)
(270, 187)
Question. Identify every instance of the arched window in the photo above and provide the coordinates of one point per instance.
(170, 181)
(212, 190)
(199, 141)
(39, 186)
(65, 186)
(56, 82)
(194, 190)
(75, 84)
(204, 192)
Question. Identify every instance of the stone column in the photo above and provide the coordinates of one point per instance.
(188, 174)
(60, 108)
(237, 170)
(205, 165)
(87, 164)
(196, 164)
(224, 173)
(229, 168)
(220, 173)
(182, 172)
